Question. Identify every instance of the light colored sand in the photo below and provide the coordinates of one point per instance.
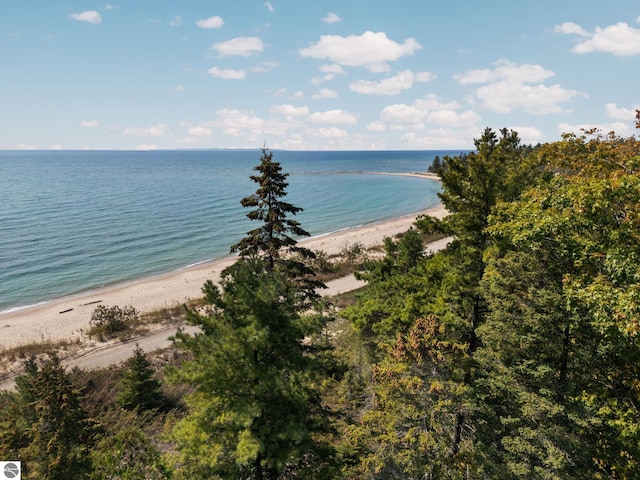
(46, 322)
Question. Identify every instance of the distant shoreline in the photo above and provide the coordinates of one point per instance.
(67, 317)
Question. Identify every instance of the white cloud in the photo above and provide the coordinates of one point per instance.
(391, 86)
(108, 6)
(440, 138)
(619, 39)
(199, 132)
(179, 88)
(504, 97)
(89, 123)
(429, 110)
(506, 70)
(227, 74)
(211, 22)
(89, 16)
(508, 88)
(333, 116)
(240, 46)
(237, 119)
(619, 113)
(332, 69)
(331, 18)
(145, 147)
(376, 127)
(620, 128)
(269, 7)
(332, 132)
(325, 93)
(571, 28)
(370, 50)
(159, 130)
(177, 21)
(289, 110)
(529, 135)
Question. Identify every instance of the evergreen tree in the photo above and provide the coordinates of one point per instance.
(139, 389)
(56, 436)
(256, 411)
(127, 455)
(274, 239)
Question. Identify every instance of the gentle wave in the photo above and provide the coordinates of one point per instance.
(73, 221)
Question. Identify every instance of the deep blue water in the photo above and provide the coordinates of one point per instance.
(77, 220)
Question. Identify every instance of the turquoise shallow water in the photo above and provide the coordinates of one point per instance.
(77, 220)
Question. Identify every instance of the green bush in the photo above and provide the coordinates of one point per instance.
(110, 322)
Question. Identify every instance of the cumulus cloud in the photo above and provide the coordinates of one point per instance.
(370, 50)
(325, 93)
(619, 39)
(227, 73)
(439, 138)
(330, 72)
(90, 123)
(571, 28)
(237, 119)
(332, 132)
(176, 21)
(331, 18)
(376, 127)
(529, 135)
(211, 22)
(507, 71)
(619, 113)
(159, 130)
(240, 46)
(333, 116)
(88, 16)
(289, 110)
(428, 110)
(620, 128)
(269, 7)
(391, 86)
(199, 132)
(509, 87)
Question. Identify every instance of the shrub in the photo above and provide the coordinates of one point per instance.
(109, 322)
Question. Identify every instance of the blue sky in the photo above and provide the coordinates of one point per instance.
(303, 75)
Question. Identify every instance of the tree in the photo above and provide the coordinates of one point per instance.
(140, 390)
(127, 455)
(583, 229)
(274, 239)
(256, 411)
(445, 287)
(54, 435)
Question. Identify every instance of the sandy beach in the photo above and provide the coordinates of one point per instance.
(68, 317)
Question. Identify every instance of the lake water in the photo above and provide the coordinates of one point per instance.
(77, 220)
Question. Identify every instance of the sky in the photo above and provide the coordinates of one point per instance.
(313, 75)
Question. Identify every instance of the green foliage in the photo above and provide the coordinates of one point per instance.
(128, 455)
(47, 427)
(110, 322)
(256, 410)
(274, 239)
(140, 390)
